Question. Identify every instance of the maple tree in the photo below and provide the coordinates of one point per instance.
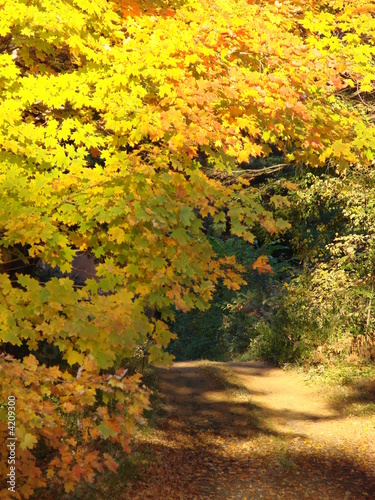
(113, 117)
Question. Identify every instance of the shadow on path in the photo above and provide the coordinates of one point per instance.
(217, 443)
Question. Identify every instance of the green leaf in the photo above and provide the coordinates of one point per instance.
(29, 441)
(186, 215)
(282, 224)
(104, 359)
(106, 431)
(10, 336)
(180, 235)
(220, 217)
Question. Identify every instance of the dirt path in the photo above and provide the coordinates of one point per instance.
(250, 431)
(293, 406)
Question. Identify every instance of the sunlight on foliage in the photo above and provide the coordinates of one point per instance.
(112, 114)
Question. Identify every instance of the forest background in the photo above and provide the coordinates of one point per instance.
(215, 160)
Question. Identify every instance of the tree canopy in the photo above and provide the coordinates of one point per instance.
(118, 123)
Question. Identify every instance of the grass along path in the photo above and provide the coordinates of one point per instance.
(251, 431)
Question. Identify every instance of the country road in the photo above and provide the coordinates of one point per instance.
(252, 431)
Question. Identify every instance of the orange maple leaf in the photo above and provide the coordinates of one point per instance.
(262, 265)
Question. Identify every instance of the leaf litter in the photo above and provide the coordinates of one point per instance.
(251, 431)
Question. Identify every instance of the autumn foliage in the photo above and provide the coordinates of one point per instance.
(115, 118)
